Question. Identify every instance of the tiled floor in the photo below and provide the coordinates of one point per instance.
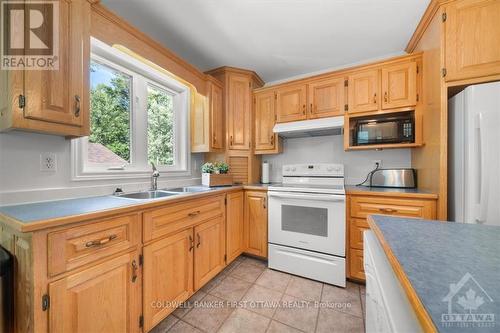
(249, 297)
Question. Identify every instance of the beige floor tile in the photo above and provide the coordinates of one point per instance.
(255, 261)
(215, 281)
(182, 310)
(345, 300)
(304, 289)
(247, 272)
(165, 324)
(277, 327)
(182, 327)
(231, 289)
(262, 300)
(298, 313)
(210, 315)
(243, 321)
(333, 321)
(274, 280)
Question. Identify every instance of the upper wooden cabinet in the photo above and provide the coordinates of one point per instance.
(207, 119)
(55, 101)
(472, 39)
(291, 103)
(326, 98)
(239, 115)
(266, 141)
(256, 223)
(399, 85)
(363, 91)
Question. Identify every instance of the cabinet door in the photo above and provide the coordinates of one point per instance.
(217, 117)
(399, 85)
(61, 96)
(234, 225)
(291, 103)
(265, 138)
(168, 275)
(363, 91)
(239, 112)
(472, 39)
(326, 98)
(256, 223)
(104, 298)
(209, 251)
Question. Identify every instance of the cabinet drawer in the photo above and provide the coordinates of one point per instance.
(356, 268)
(361, 207)
(75, 247)
(356, 228)
(164, 221)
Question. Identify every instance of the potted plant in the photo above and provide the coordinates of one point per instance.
(216, 174)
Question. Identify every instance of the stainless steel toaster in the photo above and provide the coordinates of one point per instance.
(398, 178)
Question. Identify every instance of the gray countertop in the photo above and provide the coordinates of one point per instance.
(438, 256)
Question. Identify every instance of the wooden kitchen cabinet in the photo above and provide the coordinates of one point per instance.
(54, 101)
(291, 103)
(207, 120)
(266, 141)
(239, 115)
(399, 85)
(326, 98)
(363, 91)
(168, 275)
(210, 250)
(103, 298)
(361, 206)
(472, 39)
(234, 225)
(256, 223)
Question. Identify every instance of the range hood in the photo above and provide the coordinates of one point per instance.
(313, 127)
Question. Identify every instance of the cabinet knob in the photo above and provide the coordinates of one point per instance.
(77, 106)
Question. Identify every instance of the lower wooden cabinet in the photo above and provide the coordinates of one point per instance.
(103, 298)
(234, 225)
(256, 223)
(209, 252)
(168, 275)
(361, 206)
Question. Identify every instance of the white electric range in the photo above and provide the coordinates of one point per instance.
(307, 222)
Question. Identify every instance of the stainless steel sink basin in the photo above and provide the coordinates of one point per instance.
(189, 189)
(148, 195)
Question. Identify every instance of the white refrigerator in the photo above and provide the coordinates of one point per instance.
(474, 155)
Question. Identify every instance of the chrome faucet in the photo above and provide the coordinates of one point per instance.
(154, 178)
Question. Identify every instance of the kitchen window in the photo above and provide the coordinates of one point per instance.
(138, 116)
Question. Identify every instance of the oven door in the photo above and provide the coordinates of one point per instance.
(309, 221)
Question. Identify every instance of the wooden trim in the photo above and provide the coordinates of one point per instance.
(344, 71)
(421, 195)
(120, 22)
(422, 314)
(385, 146)
(423, 24)
(221, 70)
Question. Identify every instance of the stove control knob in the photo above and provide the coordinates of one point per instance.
(329, 168)
(294, 168)
(287, 169)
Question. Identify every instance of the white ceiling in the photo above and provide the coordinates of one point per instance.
(278, 39)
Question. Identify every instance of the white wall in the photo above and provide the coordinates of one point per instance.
(330, 149)
(22, 181)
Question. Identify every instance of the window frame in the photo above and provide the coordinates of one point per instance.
(142, 75)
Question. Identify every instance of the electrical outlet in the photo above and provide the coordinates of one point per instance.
(48, 162)
(375, 162)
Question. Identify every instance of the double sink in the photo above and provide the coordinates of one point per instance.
(157, 194)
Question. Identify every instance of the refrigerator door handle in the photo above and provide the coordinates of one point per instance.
(483, 202)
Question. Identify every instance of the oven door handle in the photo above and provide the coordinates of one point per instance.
(308, 196)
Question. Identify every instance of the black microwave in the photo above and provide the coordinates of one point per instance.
(385, 129)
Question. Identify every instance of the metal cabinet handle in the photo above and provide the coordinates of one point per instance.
(192, 214)
(77, 106)
(303, 109)
(375, 98)
(272, 140)
(199, 241)
(134, 270)
(191, 243)
(312, 110)
(265, 203)
(388, 210)
(385, 97)
(214, 139)
(100, 242)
